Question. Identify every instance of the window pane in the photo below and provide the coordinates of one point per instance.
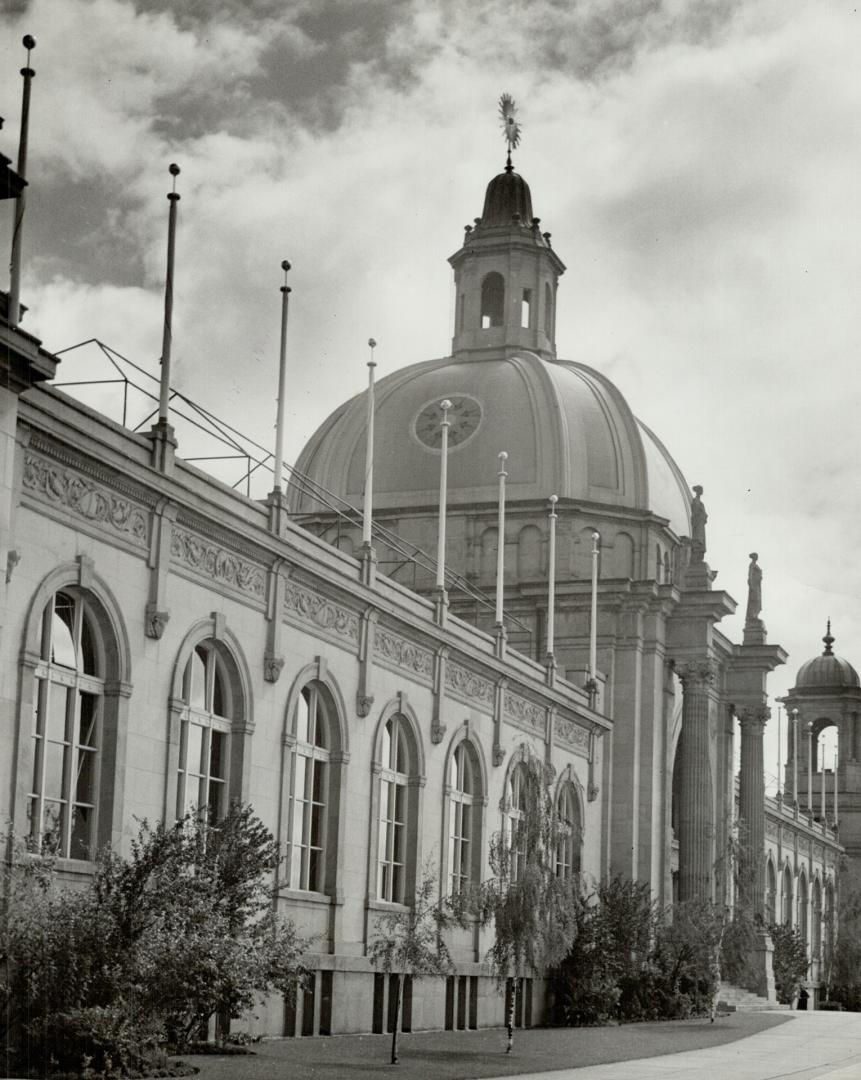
(89, 652)
(303, 715)
(316, 825)
(89, 713)
(454, 771)
(84, 787)
(314, 864)
(55, 754)
(219, 690)
(53, 820)
(218, 745)
(62, 631)
(400, 802)
(57, 704)
(81, 847)
(299, 778)
(401, 758)
(193, 748)
(387, 745)
(215, 800)
(318, 790)
(321, 735)
(194, 684)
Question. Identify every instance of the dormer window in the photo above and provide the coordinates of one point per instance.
(492, 300)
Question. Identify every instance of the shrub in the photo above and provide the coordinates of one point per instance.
(789, 961)
(96, 1041)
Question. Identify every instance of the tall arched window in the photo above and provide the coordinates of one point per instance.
(786, 911)
(492, 300)
(67, 727)
(464, 796)
(802, 907)
(548, 309)
(206, 718)
(816, 936)
(312, 828)
(770, 893)
(515, 807)
(398, 811)
(568, 848)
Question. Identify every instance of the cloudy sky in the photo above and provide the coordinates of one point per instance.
(697, 162)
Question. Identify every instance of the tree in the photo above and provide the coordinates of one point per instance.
(410, 941)
(158, 942)
(790, 961)
(533, 910)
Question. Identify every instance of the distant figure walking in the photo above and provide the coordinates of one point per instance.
(754, 589)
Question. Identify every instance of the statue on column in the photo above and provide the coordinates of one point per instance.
(699, 517)
(754, 589)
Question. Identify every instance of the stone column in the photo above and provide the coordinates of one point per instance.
(696, 802)
(752, 720)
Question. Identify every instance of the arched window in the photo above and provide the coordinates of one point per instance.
(816, 937)
(802, 907)
(464, 818)
(568, 848)
(770, 893)
(208, 704)
(67, 727)
(398, 811)
(492, 300)
(310, 784)
(515, 806)
(787, 897)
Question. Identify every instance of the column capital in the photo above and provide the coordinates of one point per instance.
(753, 715)
(696, 674)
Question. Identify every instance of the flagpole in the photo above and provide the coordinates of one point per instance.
(500, 543)
(443, 495)
(779, 779)
(810, 767)
(795, 759)
(821, 756)
(277, 484)
(835, 788)
(367, 513)
(551, 580)
(167, 333)
(592, 683)
(29, 44)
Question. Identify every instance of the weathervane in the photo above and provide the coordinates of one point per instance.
(510, 126)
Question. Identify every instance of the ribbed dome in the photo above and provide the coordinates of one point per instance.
(507, 194)
(566, 428)
(826, 672)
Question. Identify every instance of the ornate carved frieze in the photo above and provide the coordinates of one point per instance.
(787, 835)
(469, 685)
(395, 650)
(524, 713)
(77, 494)
(217, 563)
(772, 828)
(570, 734)
(310, 607)
(818, 851)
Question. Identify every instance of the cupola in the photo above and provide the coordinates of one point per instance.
(505, 276)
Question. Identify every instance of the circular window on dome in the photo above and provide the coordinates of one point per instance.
(464, 419)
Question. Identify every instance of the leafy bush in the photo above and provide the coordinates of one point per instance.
(789, 961)
(157, 943)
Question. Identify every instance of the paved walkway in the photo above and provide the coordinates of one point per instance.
(822, 1045)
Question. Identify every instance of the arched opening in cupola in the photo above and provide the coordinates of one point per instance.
(492, 300)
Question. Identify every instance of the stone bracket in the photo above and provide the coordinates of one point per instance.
(367, 625)
(276, 584)
(438, 719)
(158, 561)
(498, 713)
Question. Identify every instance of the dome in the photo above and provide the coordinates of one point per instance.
(826, 672)
(507, 194)
(566, 428)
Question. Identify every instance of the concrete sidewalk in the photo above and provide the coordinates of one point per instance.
(825, 1045)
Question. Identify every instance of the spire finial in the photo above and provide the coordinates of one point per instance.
(829, 640)
(510, 126)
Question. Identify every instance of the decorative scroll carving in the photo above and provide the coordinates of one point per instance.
(524, 713)
(403, 653)
(156, 621)
(311, 607)
(468, 684)
(75, 493)
(217, 563)
(272, 667)
(571, 734)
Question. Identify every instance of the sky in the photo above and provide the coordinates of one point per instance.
(697, 164)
